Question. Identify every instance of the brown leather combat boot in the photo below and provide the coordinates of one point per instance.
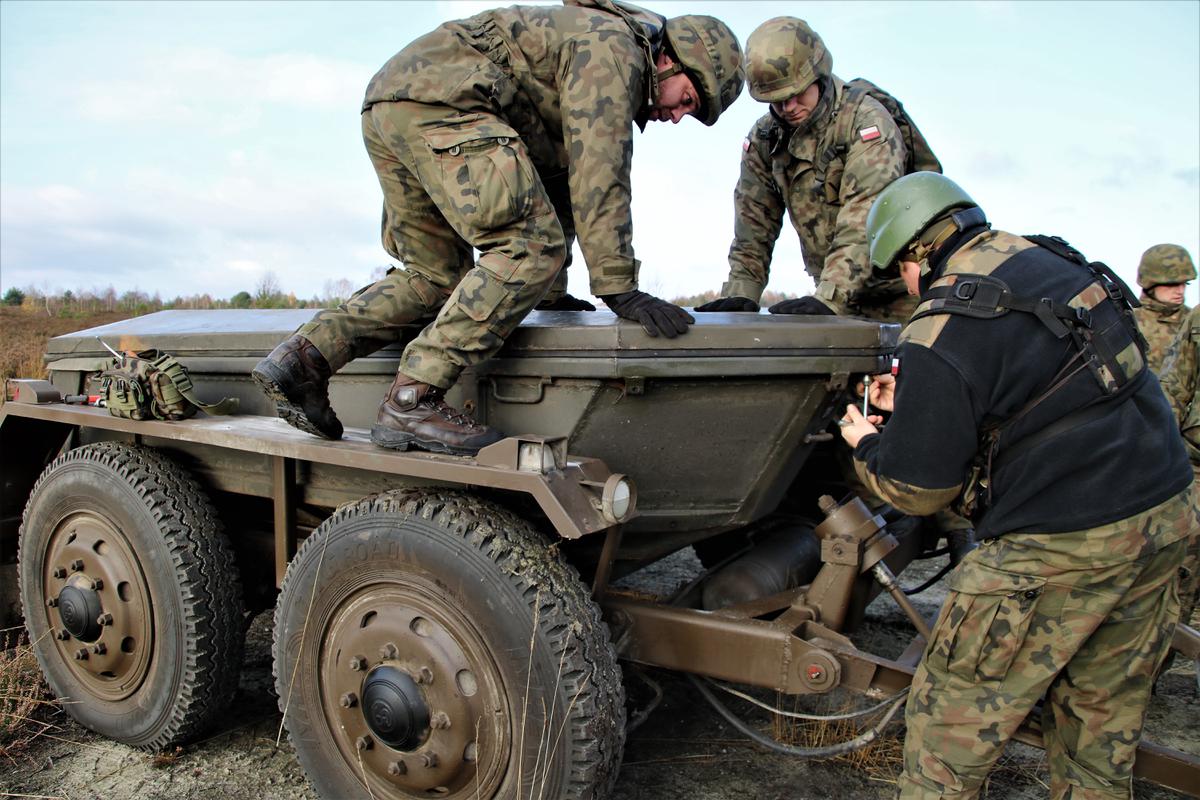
(296, 376)
(414, 415)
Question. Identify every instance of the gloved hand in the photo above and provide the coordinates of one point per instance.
(728, 304)
(801, 305)
(566, 303)
(656, 316)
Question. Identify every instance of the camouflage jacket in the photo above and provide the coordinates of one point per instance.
(958, 375)
(828, 208)
(571, 82)
(1159, 323)
(1180, 376)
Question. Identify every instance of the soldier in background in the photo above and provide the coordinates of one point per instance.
(488, 134)
(1163, 274)
(1081, 494)
(822, 153)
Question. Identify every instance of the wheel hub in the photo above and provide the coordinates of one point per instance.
(394, 708)
(79, 606)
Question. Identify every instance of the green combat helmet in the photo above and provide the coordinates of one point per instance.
(1165, 263)
(711, 56)
(783, 58)
(904, 209)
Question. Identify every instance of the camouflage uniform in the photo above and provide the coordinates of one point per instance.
(1159, 321)
(1180, 376)
(825, 188)
(1074, 593)
(498, 133)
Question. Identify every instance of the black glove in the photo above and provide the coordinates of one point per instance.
(729, 304)
(656, 316)
(801, 305)
(566, 303)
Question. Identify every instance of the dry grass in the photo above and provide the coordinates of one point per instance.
(26, 333)
(24, 697)
(881, 760)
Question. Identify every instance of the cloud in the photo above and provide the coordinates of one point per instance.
(1190, 177)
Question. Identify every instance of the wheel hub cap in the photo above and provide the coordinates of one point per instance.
(79, 608)
(394, 708)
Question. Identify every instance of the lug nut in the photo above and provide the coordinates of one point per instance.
(104, 619)
(364, 743)
(349, 700)
(59, 572)
(397, 768)
(99, 648)
(77, 565)
(52, 602)
(429, 760)
(388, 651)
(440, 720)
(358, 663)
(97, 585)
(62, 635)
(425, 675)
(81, 654)
(815, 673)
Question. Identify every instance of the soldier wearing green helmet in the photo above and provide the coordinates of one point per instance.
(821, 154)
(505, 133)
(1022, 398)
(1163, 274)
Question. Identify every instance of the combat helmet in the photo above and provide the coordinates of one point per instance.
(711, 56)
(905, 208)
(783, 58)
(1165, 263)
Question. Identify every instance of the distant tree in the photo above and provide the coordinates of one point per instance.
(339, 291)
(14, 296)
(241, 300)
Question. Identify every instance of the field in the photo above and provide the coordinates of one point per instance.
(26, 332)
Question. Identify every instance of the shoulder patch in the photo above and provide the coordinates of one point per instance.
(745, 144)
(870, 133)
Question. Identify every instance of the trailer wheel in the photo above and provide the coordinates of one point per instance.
(435, 645)
(130, 594)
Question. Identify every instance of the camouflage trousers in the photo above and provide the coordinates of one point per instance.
(1082, 619)
(452, 183)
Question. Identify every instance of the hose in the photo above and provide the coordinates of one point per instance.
(642, 714)
(829, 751)
(937, 577)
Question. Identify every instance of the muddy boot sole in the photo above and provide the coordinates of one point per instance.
(285, 409)
(394, 440)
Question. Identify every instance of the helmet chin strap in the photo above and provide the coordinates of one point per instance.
(657, 79)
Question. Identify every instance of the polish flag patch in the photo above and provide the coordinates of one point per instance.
(745, 145)
(869, 134)
(895, 366)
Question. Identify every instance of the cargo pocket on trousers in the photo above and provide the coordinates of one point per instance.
(488, 184)
(991, 611)
(480, 294)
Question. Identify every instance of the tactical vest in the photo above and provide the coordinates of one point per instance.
(918, 156)
(154, 385)
(1106, 342)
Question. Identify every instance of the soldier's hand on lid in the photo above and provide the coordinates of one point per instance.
(656, 316)
(801, 305)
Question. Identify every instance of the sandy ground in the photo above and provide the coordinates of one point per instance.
(684, 750)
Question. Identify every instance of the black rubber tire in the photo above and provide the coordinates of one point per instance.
(527, 605)
(195, 600)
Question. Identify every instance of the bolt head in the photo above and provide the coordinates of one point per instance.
(62, 635)
(425, 675)
(429, 760)
(815, 673)
(348, 700)
(97, 585)
(99, 648)
(397, 768)
(59, 572)
(52, 602)
(440, 720)
(364, 743)
(77, 565)
(388, 651)
(81, 654)
(358, 663)
(104, 619)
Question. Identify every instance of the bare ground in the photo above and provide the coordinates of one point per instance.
(684, 750)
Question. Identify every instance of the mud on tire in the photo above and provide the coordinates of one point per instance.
(435, 645)
(131, 595)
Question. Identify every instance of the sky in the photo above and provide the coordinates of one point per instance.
(187, 148)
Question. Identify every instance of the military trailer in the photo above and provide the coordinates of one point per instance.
(446, 626)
